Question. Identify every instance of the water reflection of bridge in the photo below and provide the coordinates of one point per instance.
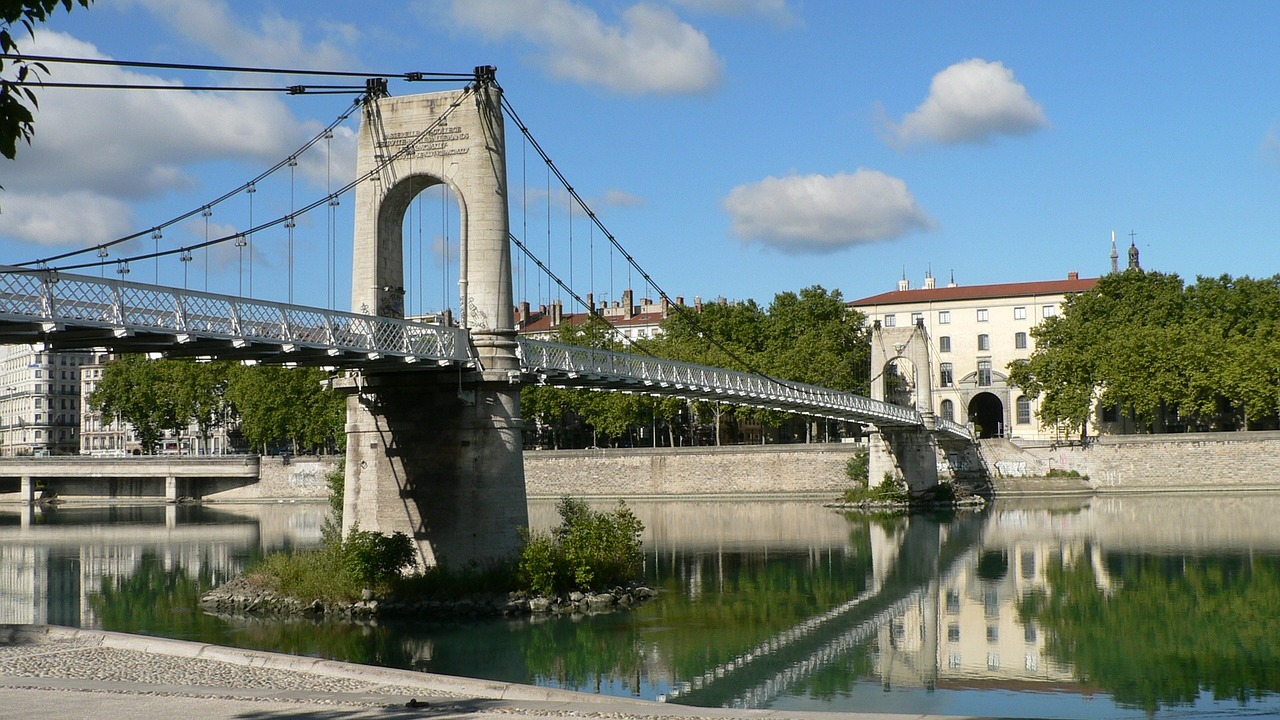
(920, 553)
(943, 609)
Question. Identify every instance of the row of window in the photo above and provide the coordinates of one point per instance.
(39, 403)
(64, 374)
(983, 315)
(984, 342)
(1022, 410)
(947, 375)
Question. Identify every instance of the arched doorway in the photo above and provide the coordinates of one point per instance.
(986, 412)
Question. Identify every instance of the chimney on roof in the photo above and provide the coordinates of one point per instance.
(524, 313)
(665, 306)
(680, 300)
(628, 309)
(446, 318)
(697, 303)
(1073, 275)
(591, 303)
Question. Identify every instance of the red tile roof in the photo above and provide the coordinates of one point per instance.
(540, 322)
(977, 292)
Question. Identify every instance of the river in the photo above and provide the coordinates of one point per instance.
(1104, 607)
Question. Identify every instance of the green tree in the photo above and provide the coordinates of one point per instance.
(278, 404)
(814, 337)
(17, 100)
(143, 393)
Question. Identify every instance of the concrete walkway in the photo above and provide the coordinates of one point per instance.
(53, 673)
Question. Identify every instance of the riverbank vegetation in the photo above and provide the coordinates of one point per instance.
(809, 337)
(1158, 355)
(589, 551)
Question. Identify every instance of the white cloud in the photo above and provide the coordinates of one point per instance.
(971, 101)
(650, 51)
(621, 198)
(78, 217)
(100, 149)
(276, 41)
(825, 213)
(776, 11)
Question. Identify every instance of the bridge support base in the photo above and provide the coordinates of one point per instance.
(439, 460)
(910, 455)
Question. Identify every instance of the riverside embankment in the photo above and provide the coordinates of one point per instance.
(1239, 461)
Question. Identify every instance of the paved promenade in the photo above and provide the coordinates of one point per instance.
(51, 673)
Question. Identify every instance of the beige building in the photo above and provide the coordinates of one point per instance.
(98, 435)
(39, 400)
(974, 333)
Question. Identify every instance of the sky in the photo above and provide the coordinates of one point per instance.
(735, 148)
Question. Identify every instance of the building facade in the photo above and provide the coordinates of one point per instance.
(40, 401)
(974, 333)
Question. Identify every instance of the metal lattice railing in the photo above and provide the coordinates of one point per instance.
(954, 429)
(574, 366)
(78, 301)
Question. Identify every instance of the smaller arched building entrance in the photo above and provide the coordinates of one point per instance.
(986, 412)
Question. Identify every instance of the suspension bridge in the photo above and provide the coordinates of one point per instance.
(433, 412)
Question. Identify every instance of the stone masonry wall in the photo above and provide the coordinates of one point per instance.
(737, 470)
(300, 477)
(1137, 463)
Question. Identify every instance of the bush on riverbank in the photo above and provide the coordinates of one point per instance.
(339, 570)
(589, 550)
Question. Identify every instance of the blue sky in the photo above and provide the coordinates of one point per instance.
(736, 148)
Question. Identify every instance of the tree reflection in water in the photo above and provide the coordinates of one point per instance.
(1168, 628)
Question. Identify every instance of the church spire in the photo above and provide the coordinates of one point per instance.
(1115, 255)
(1133, 252)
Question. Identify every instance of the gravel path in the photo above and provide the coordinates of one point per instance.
(61, 673)
(70, 659)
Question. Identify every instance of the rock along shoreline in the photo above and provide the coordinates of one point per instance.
(240, 596)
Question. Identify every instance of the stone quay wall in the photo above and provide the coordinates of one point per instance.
(655, 472)
(1240, 461)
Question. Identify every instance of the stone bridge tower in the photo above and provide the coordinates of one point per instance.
(437, 454)
(902, 374)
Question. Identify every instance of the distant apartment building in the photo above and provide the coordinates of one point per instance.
(40, 400)
(974, 333)
(101, 435)
(630, 320)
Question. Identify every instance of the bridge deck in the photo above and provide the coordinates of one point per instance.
(64, 312)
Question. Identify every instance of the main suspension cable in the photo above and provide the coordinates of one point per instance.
(684, 312)
(591, 311)
(410, 146)
(248, 186)
(408, 76)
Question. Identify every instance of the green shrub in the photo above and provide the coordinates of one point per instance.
(341, 570)
(375, 559)
(890, 490)
(312, 574)
(542, 565)
(589, 550)
(857, 467)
